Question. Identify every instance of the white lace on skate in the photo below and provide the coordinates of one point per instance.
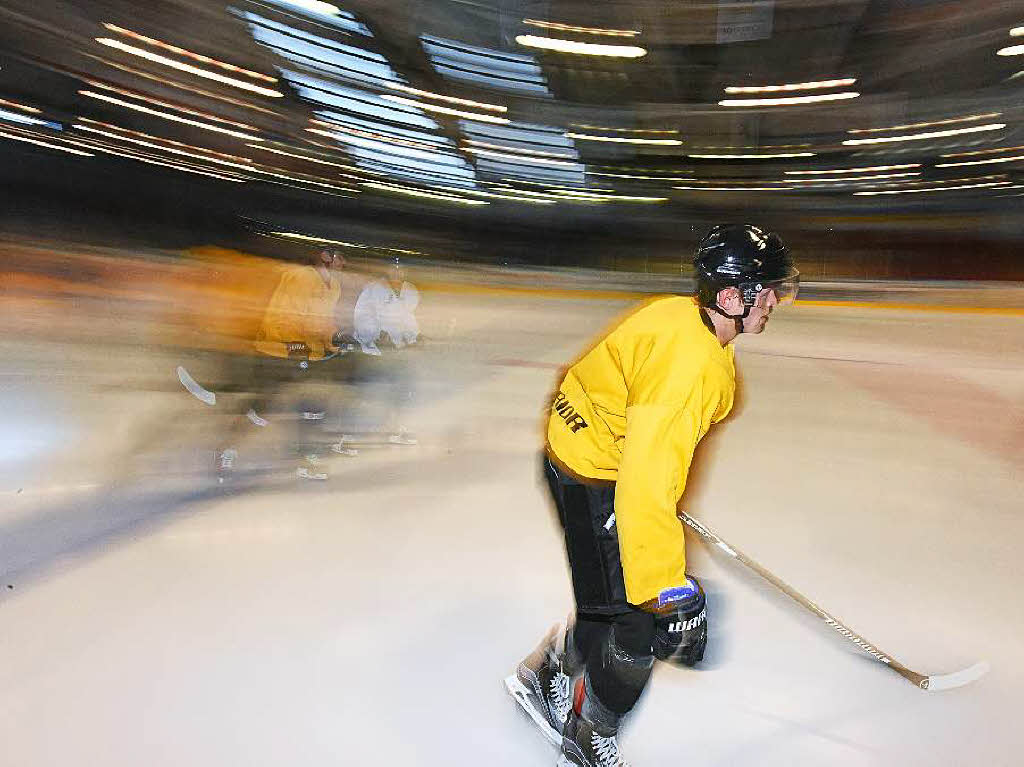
(560, 695)
(607, 751)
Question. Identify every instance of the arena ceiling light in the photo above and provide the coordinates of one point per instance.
(21, 119)
(931, 124)
(581, 49)
(989, 161)
(447, 111)
(622, 140)
(1013, 50)
(46, 144)
(866, 169)
(736, 188)
(789, 100)
(581, 30)
(316, 6)
(934, 189)
(22, 107)
(306, 157)
(751, 156)
(985, 151)
(638, 131)
(516, 150)
(169, 105)
(845, 179)
(152, 42)
(169, 116)
(843, 82)
(183, 67)
(447, 99)
(406, 190)
(924, 136)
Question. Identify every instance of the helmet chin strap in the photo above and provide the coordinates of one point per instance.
(736, 318)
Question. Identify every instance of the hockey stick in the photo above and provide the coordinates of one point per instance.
(931, 683)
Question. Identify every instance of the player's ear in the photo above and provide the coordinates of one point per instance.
(730, 300)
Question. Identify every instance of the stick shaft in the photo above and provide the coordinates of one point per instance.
(711, 537)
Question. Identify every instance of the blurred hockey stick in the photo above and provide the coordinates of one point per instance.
(932, 683)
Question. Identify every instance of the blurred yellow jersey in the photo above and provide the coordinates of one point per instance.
(632, 411)
(301, 309)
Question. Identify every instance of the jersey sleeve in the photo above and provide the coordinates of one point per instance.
(657, 452)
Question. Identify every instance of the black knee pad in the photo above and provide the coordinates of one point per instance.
(681, 627)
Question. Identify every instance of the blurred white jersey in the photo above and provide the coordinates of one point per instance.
(380, 310)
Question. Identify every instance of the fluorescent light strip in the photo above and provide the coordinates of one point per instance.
(176, 166)
(751, 156)
(612, 197)
(609, 129)
(447, 99)
(984, 151)
(446, 110)
(169, 105)
(388, 132)
(791, 86)
(307, 238)
(516, 150)
(519, 157)
(642, 178)
(923, 136)
(169, 150)
(934, 189)
(24, 119)
(789, 100)
(419, 193)
(22, 107)
(158, 59)
(736, 188)
(1017, 32)
(851, 170)
(564, 197)
(619, 140)
(480, 193)
(168, 116)
(189, 54)
(950, 121)
(307, 158)
(157, 138)
(1013, 50)
(583, 49)
(181, 86)
(844, 179)
(582, 30)
(316, 6)
(384, 138)
(48, 145)
(980, 162)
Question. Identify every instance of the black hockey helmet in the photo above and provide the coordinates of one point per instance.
(745, 257)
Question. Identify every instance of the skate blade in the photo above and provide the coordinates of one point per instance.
(520, 695)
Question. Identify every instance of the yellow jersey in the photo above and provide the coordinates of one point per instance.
(301, 309)
(631, 411)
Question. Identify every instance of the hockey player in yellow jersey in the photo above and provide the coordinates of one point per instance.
(622, 431)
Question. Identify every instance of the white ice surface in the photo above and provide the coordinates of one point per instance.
(874, 463)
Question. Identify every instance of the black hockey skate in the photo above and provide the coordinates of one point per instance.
(584, 746)
(541, 688)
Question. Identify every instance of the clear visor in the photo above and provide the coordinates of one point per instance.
(785, 290)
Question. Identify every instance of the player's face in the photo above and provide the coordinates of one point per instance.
(755, 321)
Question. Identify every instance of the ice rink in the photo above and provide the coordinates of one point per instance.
(148, 617)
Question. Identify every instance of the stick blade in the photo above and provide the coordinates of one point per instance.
(956, 679)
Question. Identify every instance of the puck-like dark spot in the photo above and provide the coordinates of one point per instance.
(10, 586)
